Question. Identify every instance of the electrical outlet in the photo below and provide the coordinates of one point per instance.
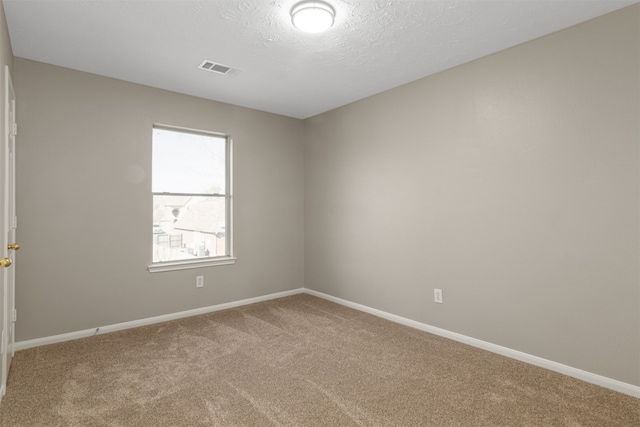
(199, 281)
(437, 295)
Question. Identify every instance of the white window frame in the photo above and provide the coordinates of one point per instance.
(228, 259)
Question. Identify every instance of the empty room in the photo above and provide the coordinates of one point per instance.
(320, 213)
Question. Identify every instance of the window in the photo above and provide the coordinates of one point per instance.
(191, 188)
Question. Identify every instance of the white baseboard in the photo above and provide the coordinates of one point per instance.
(23, 345)
(589, 377)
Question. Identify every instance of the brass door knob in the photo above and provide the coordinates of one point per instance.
(5, 262)
(14, 246)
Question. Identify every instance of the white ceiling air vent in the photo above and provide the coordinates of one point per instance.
(214, 67)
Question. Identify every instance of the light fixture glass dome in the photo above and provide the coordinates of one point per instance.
(312, 16)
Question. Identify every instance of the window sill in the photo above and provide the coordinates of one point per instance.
(187, 265)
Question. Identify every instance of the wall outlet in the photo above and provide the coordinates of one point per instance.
(199, 281)
(437, 295)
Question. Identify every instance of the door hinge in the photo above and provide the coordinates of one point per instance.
(14, 129)
(14, 317)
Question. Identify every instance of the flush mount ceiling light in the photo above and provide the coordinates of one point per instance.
(312, 16)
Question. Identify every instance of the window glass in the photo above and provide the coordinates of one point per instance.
(191, 200)
(188, 162)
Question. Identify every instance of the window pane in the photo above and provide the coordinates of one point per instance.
(186, 227)
(188, 163)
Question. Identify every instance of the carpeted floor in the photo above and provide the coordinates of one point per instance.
(295, 361)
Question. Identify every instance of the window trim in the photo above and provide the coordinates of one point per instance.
(189, 264)
(208, 261)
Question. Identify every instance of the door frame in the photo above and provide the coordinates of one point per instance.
(8, 227)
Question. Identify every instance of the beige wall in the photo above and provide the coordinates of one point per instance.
(84, 202)
(511, 183)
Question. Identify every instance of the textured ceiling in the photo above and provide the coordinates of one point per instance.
(373, 46)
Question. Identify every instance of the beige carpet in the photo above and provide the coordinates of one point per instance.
(295, 361)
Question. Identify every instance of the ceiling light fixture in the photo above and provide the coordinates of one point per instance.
(313, 16)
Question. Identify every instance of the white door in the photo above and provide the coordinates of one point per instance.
(8, 227)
